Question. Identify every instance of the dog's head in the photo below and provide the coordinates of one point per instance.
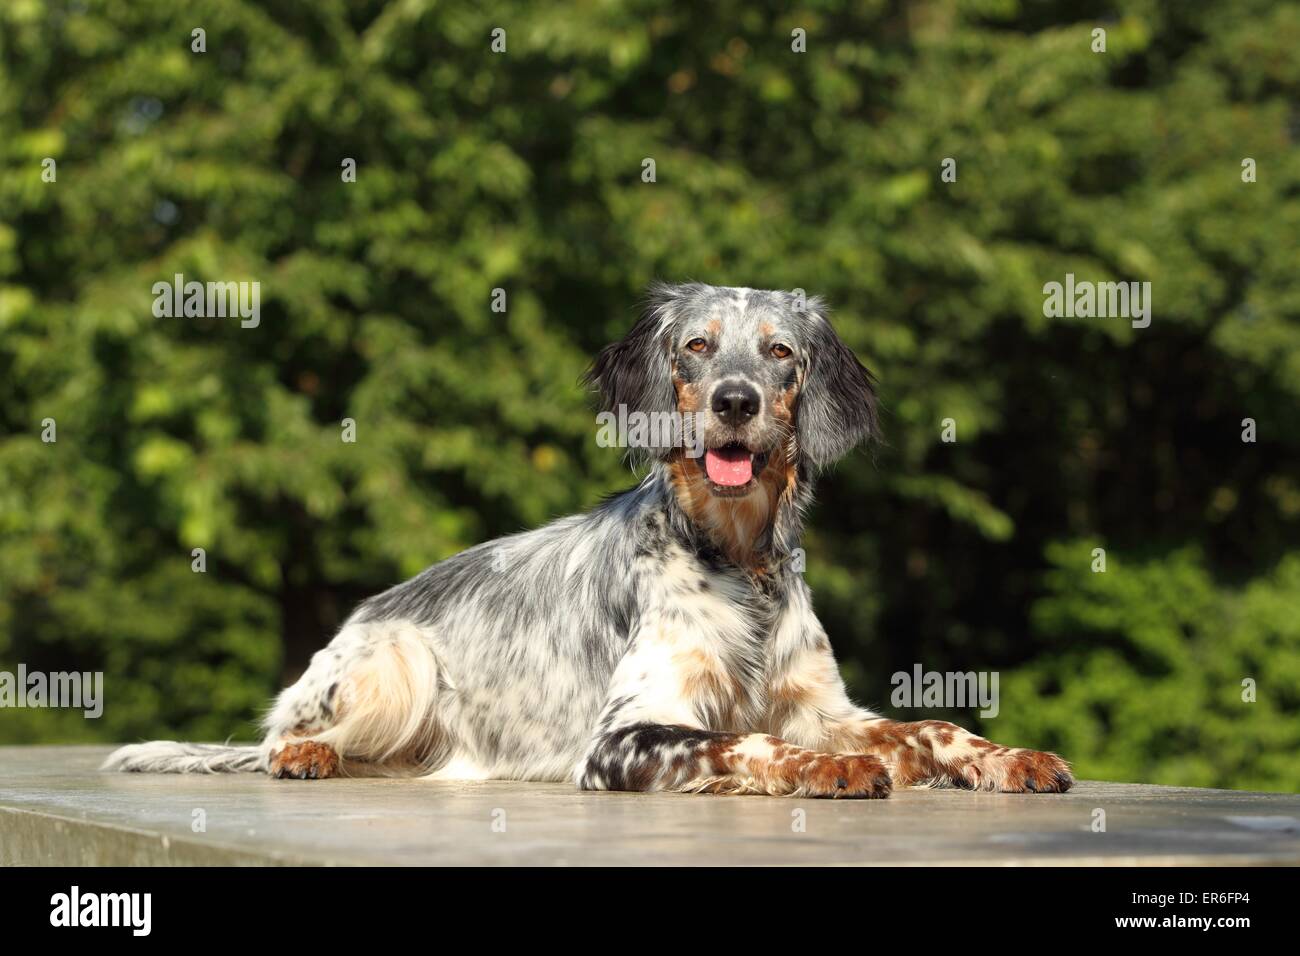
(763, 373)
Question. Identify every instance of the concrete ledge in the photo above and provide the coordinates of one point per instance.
(57, 809)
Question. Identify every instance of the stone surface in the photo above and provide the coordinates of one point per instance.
(57, 808)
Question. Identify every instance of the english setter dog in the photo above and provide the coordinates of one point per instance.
(662, 641)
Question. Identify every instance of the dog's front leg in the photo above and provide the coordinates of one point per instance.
(935, 751)
(650, 737)
(810, 706)
(648, 756)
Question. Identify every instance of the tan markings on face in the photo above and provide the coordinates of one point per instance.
(781, 399)
(782, 403)
(735, 525)
(690, 397)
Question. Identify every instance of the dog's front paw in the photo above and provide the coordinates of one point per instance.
(305, 761)
(1011, 770)
(854, 776)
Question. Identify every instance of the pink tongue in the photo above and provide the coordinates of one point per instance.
(729, 466)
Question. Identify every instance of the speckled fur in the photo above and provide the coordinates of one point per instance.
(661, 641)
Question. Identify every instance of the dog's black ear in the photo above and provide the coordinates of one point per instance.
(635, 371)
(837, 406)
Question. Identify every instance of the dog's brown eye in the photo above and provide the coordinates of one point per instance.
(781, 351)
(697, 345)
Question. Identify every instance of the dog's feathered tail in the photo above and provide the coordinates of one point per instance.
(169, 756)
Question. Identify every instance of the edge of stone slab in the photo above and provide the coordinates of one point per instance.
(39, 838)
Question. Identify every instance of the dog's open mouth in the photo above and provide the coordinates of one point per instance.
(733, 469)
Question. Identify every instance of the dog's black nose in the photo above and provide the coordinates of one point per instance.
(736, 403)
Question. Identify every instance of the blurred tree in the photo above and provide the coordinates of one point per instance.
(521, 171)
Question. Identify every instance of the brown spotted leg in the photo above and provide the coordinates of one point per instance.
(810, 706)
(647, 756)
(935, 751)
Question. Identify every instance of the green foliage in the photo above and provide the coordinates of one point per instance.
(1157, 673)
(775, 169)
